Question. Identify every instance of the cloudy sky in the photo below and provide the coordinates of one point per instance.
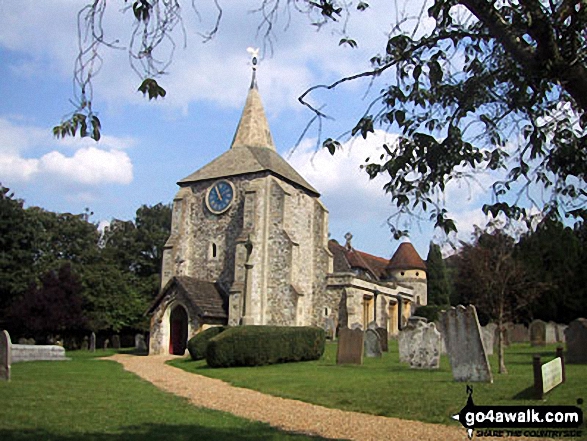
(148, 146)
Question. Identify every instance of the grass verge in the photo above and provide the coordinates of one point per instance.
(92, 399)
(386, 387)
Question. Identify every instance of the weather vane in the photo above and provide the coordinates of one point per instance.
(254, 56)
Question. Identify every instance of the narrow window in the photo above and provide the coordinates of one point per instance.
(214, 251)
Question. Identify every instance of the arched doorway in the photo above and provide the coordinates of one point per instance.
(179, 331)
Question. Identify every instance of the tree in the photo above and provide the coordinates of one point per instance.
(490, 277)
(553, 253)
(436, 276)
(498, 86)
(56, 306)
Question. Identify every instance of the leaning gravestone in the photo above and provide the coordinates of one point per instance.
(350, 346)
(537, 333)
(576, 337)
(5, 356)
(93, 342)
(116, 341)
(383, 339)
(425, 347)
(462, 336)
(372, 344)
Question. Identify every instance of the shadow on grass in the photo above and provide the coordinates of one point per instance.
(163, 432)
(527, 394)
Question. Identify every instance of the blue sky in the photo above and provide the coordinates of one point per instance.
(148, 146)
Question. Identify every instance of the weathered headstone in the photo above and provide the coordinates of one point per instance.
(372, 344)
(576, 337)
(404, 340)
(106, 343)
(519, 333)
(329, 328)
(140, 344)
(5, 356)
(93, 342)
(560, 333)
(350, 346)
(462, 336)
(116, 341)
(550, 334)
(85, 344)
(425, 347)
(383, 339)
(488, 336)
(537, 333)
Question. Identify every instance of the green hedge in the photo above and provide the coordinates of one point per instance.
(260, 345)
(197, 345)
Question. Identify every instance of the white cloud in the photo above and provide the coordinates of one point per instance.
(91, 164)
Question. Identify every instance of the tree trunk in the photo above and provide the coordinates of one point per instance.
(502, 369)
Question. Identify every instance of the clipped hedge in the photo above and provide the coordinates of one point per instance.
(197, 344)
(261, 345)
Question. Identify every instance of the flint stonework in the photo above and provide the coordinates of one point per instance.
(372, 344)
(537, 333)
(576, 337)
(462, 336)
(350, 346)
(5, 356)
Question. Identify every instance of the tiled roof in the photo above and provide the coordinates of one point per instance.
(346, 259)
(405, 258)
(207, 297)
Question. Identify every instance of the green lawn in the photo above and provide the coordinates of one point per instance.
(89, 399)
(386, 387)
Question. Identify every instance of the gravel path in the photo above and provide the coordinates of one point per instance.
(285, 414)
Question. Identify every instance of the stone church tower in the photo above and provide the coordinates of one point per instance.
(248, 243)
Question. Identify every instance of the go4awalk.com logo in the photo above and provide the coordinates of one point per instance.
(528, 421)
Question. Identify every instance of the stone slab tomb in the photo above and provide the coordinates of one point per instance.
(462, 336)
(537, 331)
(372, 344)
(576, 338)
(5, 358)
(350, 346)
(38, 353)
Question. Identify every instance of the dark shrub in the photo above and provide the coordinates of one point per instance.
(431, 312)
(197, 344)
(260, 345)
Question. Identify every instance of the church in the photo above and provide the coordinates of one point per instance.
(249, 245)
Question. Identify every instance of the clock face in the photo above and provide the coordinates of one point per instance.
(220, 196)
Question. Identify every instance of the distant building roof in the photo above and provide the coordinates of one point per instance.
(406, 258)
(346, 259)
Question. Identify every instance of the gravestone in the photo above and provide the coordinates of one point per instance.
(140, 344)
(22, 341)
(116, 341)
(462, 336)
(85, 344)
(106, 343)
(560, 333)
(372, 344)
(550, 334)
(537, 333)
(404, 340)
(488, 336)
(329, 328)
(425, 347)
(5, 356)
(442, 345)
(576, 337)
(93, 342)
(350, 346)
(383, 339)
(31, 341)
(357, 325)
(519, 333)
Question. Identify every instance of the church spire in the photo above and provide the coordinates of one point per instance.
(253, 128)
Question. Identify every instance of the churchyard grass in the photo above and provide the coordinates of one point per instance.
(89, 399)
(383, 386)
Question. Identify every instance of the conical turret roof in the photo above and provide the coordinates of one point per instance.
(406, 258)
(252, 150)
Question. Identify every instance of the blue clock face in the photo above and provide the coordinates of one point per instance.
(219, 197)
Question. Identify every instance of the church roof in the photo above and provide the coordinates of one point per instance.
(406, 258)
(252, 150)
(207, 297)
(345, 259)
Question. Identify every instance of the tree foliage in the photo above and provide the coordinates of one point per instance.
(496, 87)
(436, 276)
